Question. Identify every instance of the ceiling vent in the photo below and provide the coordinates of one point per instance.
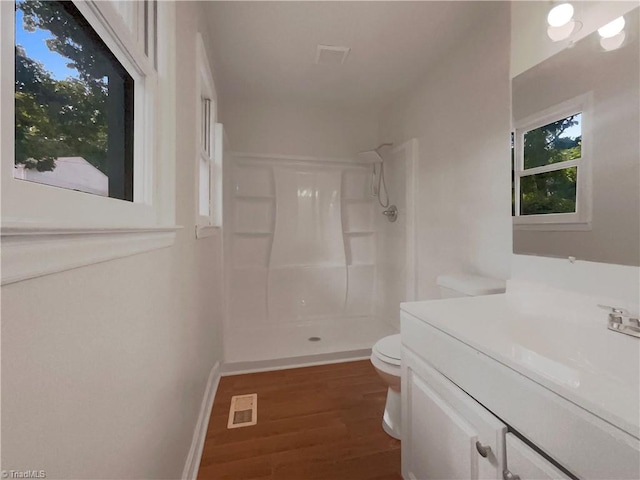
(329, 55)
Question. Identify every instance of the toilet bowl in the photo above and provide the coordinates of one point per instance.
(385, 354)
(385, 357)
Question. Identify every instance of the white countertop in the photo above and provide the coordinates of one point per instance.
(558, 341)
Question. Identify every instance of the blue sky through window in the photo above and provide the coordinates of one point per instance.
(35, 45)
(574, 130)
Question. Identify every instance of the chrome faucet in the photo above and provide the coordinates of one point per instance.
(620, 320)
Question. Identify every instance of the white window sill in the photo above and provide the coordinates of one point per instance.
(30, 251)
(203, 231)
(553, 227)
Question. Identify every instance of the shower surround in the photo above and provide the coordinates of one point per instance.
(300, 250)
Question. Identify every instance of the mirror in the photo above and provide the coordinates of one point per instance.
(576, 152)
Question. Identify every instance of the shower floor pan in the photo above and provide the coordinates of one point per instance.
(290, 341)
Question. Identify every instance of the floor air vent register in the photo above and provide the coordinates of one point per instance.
(243, 411)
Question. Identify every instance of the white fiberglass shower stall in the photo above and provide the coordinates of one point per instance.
(306, 263)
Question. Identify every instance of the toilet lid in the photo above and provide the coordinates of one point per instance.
(389, 349)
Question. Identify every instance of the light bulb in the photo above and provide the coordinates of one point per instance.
(560, 15)
(611, 29)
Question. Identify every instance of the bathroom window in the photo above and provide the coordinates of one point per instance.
(80, 104)
(551, 169)
(209, 158)
(73, 104)
(87, 109)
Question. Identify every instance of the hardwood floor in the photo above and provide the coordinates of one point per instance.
(314, 423)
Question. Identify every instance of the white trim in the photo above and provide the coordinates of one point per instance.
(553, 113)
(206, 89)
(554, 227)
(30, 251)
(124, 45)
(299, 158)
(552, 167)
(215, 169)
(164, 174)
(192, 464)
(117, 36)
(237, 368)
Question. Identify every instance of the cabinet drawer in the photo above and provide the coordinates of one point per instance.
(526, 463)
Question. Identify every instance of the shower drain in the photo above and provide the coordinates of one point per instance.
(314, 339)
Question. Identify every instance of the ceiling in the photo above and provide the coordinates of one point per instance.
(267, 50)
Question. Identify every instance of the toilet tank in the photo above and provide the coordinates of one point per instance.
(468, 285)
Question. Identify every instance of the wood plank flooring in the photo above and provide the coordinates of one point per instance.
(314, 423)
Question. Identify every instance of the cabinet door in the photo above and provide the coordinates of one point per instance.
(524, 462)
(447, 434)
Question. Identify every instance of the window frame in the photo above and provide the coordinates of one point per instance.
(41, 203)
(581, 218)
(58, 218)
(207, 225)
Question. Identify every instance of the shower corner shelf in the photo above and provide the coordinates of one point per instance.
(358, 232)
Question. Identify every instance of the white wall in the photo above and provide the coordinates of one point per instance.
(104, 367)
(297, 128)
(611, 284)
(460, 115)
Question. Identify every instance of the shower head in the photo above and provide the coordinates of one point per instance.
(373, 156)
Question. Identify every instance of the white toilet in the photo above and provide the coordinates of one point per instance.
(385, 356)
(386, 353)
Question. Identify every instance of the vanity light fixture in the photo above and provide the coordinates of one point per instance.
(561, 22)
(612, 35)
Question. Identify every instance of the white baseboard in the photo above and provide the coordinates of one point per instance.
(192, 464)
(237, 368)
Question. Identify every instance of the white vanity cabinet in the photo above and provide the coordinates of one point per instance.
(447, 434)
(474, 376)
